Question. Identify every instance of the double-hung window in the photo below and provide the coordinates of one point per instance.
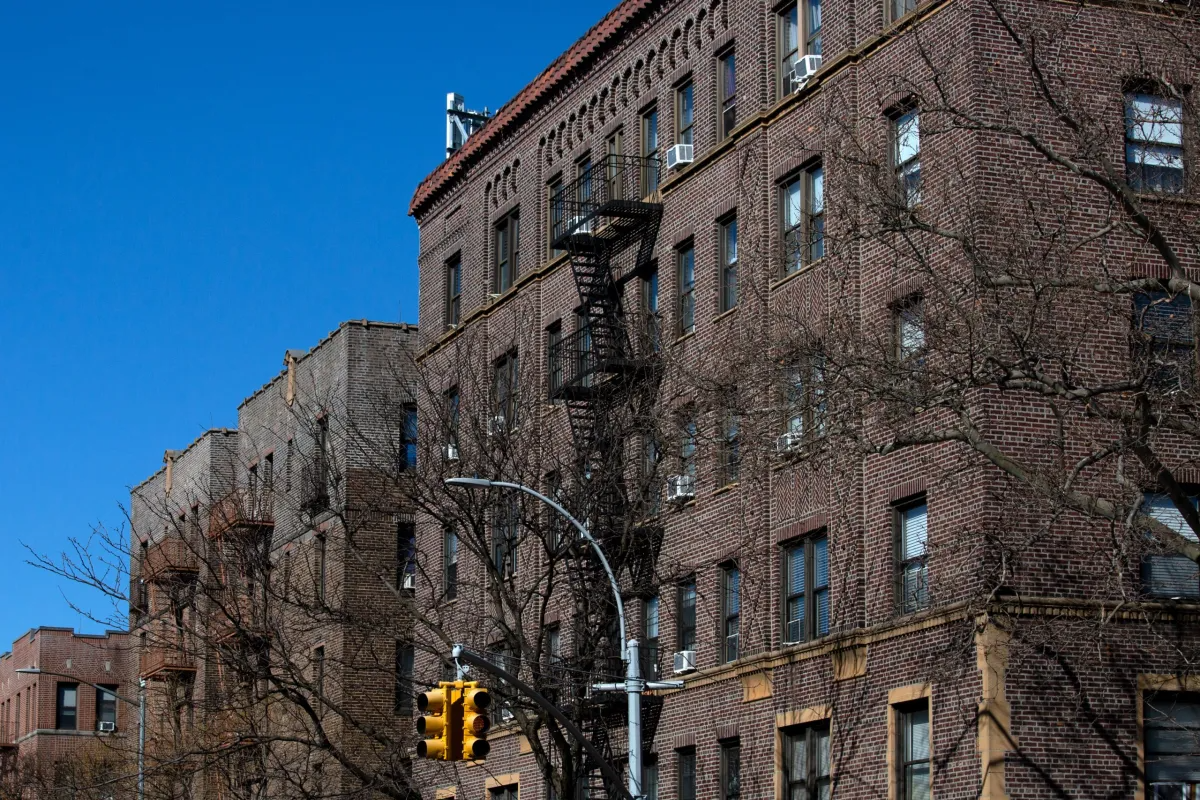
(106, 705)
(408, 438)
(806, 762)
(650, 625)
(650, 151)
(584, 355)
(406, 555)
(731, 456)
(798, 36)
(727, 94)
(453, 291)
(803, 218)
(505, 537)
(731, 612)
(452, 405)
(913, 572)
(687, 774)
(686, 313)
(804, 397)
(729, 264)
(1172, 745)
(1153, 143)
(1173, 576)
(913, 762)
(731, 770)
(650, 309)
(1164, 340)
(687, 615)
(67, 715)
(405, 657)
(508, 242)
(557, 215)
(806, 589)
(910, 329)
(685, 114)
(554, 362)
(906, 157)
(687, 444)
(450, 563)
(506, 392)
(898, 8)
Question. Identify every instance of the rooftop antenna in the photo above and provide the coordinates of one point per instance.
(461, 123)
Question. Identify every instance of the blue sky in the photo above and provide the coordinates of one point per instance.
(186, 191)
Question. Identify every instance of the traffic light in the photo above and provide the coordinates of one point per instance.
(475, 721)
(440, 723)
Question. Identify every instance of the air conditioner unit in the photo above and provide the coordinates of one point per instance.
(681, 487)
(493, 298)
(410, 581)
(788, 443)
(678, 155)
(685, 661)
(106, 727)
(450, 451)
(805, 68)
(497, 425)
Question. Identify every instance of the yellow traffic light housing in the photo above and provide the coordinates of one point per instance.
(475, 721)
(441, 722)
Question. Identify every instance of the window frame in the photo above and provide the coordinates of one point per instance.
(506, 239)
(405, 669)
(555, 214)
(555, 369)
(649, 124)
(408, 438)
(909, 315)
(898, 514)
(731, 612)
(685, 770)
(687, 601)
(406, 551)
(818, 770)
(731, 769)
(1150, 716)
(506, 538)
(802, 241)
(729, 457)
(106, 704)
(899, 9)
(727, 239)
(810, 625)
(506, 378)
(685, 101)
(449, 564)
(66, 717)
(906, 767)
(651, 633)
(726, 80)
(453, 310)
(906, 170)
(689, 446)
(1149, 345)
(685, 308)
(1134, 176)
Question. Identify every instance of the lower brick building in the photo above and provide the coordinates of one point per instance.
(68, 725)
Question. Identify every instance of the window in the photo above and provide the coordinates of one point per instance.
(898, 8)
(687, 445)
(906, 155)
(500, 656)
(503, 793)
(650, 309)
(803, 206)
(913, 575)
(106, 704)
(806, 762)
(319, 545)
(731, 770)
(806, 589)
(650, 151)
(318, 674)
(687, 615)
(731, 457)
(726, 94)
(687, 774)
(408, 438)
(453, 291)
(1172, 730)
(583, 187)
(68, 707)
(506, 391)
(686, 259)
(685, 114)
(910, 329)
(804, 399)
(554, 370)
(450, 563)
(729, 260)
(731, 611)
(504, 537)
(614, 178)
(1173, 576)
(557, 214)
(405, 654)
(914, 762)
(1164, 344)
(508, 242)
(452, 406)
(789, 49)
(1153, 143)
(406, 555)
(650, 780)
(650, 622)
(585, 366)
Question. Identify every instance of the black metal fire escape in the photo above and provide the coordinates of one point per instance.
(607, 221)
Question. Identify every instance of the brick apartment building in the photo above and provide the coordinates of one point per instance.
(57, 727)
(844, 628)
(263, 559)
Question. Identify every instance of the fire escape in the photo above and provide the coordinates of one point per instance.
(607, 221)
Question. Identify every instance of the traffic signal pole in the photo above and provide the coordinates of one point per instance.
(634, 684)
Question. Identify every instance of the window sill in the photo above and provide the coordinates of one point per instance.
(791, 276)
(685, 336)
(725, 314)
(729, 487)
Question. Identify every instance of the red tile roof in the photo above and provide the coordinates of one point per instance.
(515, 110)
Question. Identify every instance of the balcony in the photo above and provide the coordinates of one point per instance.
(243, 511)
(239, 616)
(591, 361)
(168, 558)
(160, 661)
(314, 488)
(608, 202)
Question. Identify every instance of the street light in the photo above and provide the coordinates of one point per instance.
(634, 684)
(141, 707)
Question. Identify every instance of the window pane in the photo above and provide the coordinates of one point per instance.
(908, 140)
(814, 27)
(914, 532)
(652, 618)
(916, 735)
(1154, 119)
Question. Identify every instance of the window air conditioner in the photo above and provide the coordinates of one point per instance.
(681, 487)
(685, 661)
(497, 425)
(450, 451)
(678, 155)
(805, 68)
(788, 443)
(493, 298)
(106, 727)
(410, 581)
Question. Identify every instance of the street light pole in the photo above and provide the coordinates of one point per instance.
(141, 707)
(634, 684)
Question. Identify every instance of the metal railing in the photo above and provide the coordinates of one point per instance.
(168, 556)
(314, 488)
(243, 508)
(579, 206)
(159, 658)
